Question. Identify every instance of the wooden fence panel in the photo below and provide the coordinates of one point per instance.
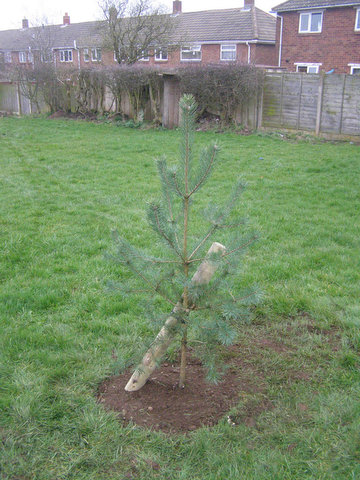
(351, 106)
(271, 100)
(321, 104)
(331, 111)
(308, 102)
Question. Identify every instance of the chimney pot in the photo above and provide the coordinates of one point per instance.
(177, 7)
(25, 23)
(66, 19)
(249, 4)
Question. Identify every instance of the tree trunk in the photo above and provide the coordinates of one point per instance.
(163, 339)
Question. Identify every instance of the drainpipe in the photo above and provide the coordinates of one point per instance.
(78, 54)
(249, 52)
(281, 39)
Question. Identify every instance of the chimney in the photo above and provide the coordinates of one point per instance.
(249, 4)
(177, 7)
(66, 19)
(25, 23)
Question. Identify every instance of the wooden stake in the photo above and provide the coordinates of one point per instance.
(163, 339)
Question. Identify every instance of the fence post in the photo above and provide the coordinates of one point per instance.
(299, 106)
(18, 98)
(319, 104)
(342, 103)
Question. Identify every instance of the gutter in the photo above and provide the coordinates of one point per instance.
(217, 42)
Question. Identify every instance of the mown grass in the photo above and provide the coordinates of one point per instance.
(64, 186)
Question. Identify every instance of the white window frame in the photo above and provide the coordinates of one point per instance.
(145, 56)
(228, 48)
(161, 55)
(190, 49)
(308, 30)
(30, 57)
(22, 57)
(308, 66)
(96, 54)
(86, 55)
(354, 66)
(7, 57)
(357, 20)
(66, 55)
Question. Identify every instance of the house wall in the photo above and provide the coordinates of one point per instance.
(260, 54)
(263, 55)
(335, 47)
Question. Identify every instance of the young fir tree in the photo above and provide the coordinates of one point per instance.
(207, 306)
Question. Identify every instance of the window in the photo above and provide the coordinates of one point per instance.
(30, 57)
(144, 56)
(354, 68)
(310, 22)
(22, 57)
(192, 53)
(161, 54)
(7, 57)
(66, 56)
(228, 52)
(357, 21)
(307, 67)
(96, 54)
(46, 56)
(86, 55)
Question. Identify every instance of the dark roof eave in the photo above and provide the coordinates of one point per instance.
(314, 7)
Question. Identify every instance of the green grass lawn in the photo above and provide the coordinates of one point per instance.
(63, 186)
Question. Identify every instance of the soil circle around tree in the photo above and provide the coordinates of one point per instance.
(161, 405)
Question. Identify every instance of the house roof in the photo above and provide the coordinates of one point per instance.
(294, 5)
(212, 26)
(233, 24)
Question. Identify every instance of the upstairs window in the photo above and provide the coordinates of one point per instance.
(357, 21)
(7, 57)
(22, 57)
(96, 54)
(86, 55)
(228, 52)
(30, 57)
(66, 55)
(310, 22)
(161, 54)
(191, 53)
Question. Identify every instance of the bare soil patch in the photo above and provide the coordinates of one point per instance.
(161, 405)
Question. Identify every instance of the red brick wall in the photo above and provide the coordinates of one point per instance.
(264, 55)
(210, 54)
(335, 47)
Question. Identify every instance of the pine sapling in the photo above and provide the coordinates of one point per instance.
(197, 285)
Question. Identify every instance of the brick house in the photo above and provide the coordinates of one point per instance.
(244, 35)
(319, 35)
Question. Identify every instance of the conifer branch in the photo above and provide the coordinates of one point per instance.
(210, 232)
(154, 288)
(155, 210)
(180, 193)
(203, 178)
(252, 240)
